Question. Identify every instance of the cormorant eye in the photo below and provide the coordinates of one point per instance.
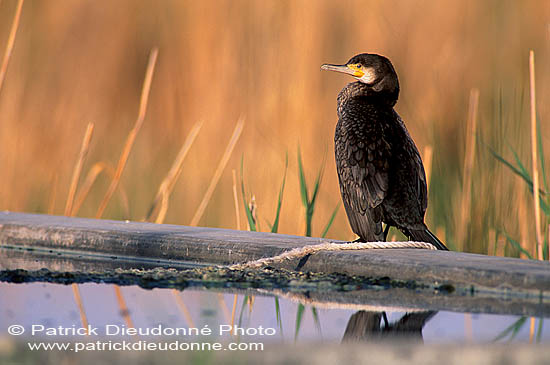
(358, 66)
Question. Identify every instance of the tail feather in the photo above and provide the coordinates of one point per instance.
(427, 236)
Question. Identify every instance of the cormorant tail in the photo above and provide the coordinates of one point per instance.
(426, 236)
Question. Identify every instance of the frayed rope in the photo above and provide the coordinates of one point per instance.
(329, 246)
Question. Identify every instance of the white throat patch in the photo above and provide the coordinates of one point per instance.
(369, 77)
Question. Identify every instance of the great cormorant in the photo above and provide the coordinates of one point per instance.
(382, 179)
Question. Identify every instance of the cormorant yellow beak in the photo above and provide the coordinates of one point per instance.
(350, 69)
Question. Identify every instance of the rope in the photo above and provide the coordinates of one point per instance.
(329, 246)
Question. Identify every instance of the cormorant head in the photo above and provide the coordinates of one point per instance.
(371, 69)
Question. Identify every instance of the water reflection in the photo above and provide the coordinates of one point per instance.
(298, 313)
(294, 320)
(368, 326)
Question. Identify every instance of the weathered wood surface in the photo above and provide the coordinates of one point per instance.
(170, 244)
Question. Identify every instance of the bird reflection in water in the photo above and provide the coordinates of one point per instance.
(368, 326)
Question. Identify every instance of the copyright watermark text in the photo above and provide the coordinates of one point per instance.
(122, 330)
(181, 338)
(144, 346)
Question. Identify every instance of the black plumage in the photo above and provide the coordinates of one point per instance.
(382, 179)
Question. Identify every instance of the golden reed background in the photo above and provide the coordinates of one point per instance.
(76, 62)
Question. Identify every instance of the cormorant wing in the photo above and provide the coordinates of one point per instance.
(420, 188)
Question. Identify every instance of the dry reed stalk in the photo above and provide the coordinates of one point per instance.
(53, 195)
(124, 201)
(225, 310)
(133, 133)
(233, 311)
(501, 245)
(146, 88)
(167, 185)
(11, 41)
(236, 199)
(218, 173)
(428, 156)
(534, 153)
(69, 206)
(124, 312)
(78, 168)
(163, 195)
(468, 166)
(93, 173)
(251, 302)
(183, 308)
(531, 329)
(523, 222)
(78, 299)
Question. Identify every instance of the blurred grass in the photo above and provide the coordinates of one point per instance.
(77, 62)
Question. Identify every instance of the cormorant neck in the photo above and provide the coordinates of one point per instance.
(385, 95)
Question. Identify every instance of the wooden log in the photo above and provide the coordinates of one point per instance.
(175, 245)
(79, 265)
